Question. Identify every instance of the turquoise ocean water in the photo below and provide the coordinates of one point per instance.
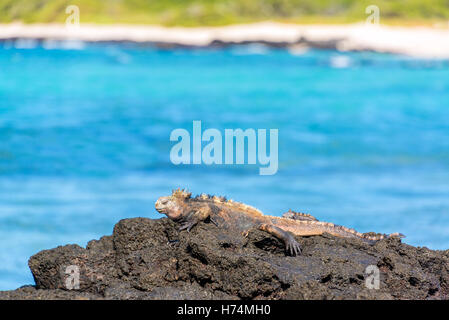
(363, 139)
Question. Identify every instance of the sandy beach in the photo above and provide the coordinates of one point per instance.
(422, 42)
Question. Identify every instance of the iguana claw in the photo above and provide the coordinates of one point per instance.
(292, 246)
(213, 221)
(188, 225)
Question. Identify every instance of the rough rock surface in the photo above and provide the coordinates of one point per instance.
(150, 259)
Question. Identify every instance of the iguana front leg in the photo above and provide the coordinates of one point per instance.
(291, 245)
(193, 217)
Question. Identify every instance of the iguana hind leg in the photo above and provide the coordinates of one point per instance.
(291, 245)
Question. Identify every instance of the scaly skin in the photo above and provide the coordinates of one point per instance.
(188, 211)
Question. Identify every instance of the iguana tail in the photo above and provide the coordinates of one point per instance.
(341, 231)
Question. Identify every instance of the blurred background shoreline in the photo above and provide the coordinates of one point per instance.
(418, 41)
(414, 28)
(195, 13)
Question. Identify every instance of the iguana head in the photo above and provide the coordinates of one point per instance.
(173, 206)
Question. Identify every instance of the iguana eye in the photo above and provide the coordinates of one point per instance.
(164, 200)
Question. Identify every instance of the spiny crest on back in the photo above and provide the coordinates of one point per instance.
(208, 197)
(181, 194)
(298, 215)
(229, 203)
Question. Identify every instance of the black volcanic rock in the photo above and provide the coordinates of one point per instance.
(150, 259)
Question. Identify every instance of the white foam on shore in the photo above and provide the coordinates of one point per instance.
(340, 62)
(422, 42)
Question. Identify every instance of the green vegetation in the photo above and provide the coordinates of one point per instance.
(220, 12)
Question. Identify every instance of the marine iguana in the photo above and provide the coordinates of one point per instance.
(188, 211)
